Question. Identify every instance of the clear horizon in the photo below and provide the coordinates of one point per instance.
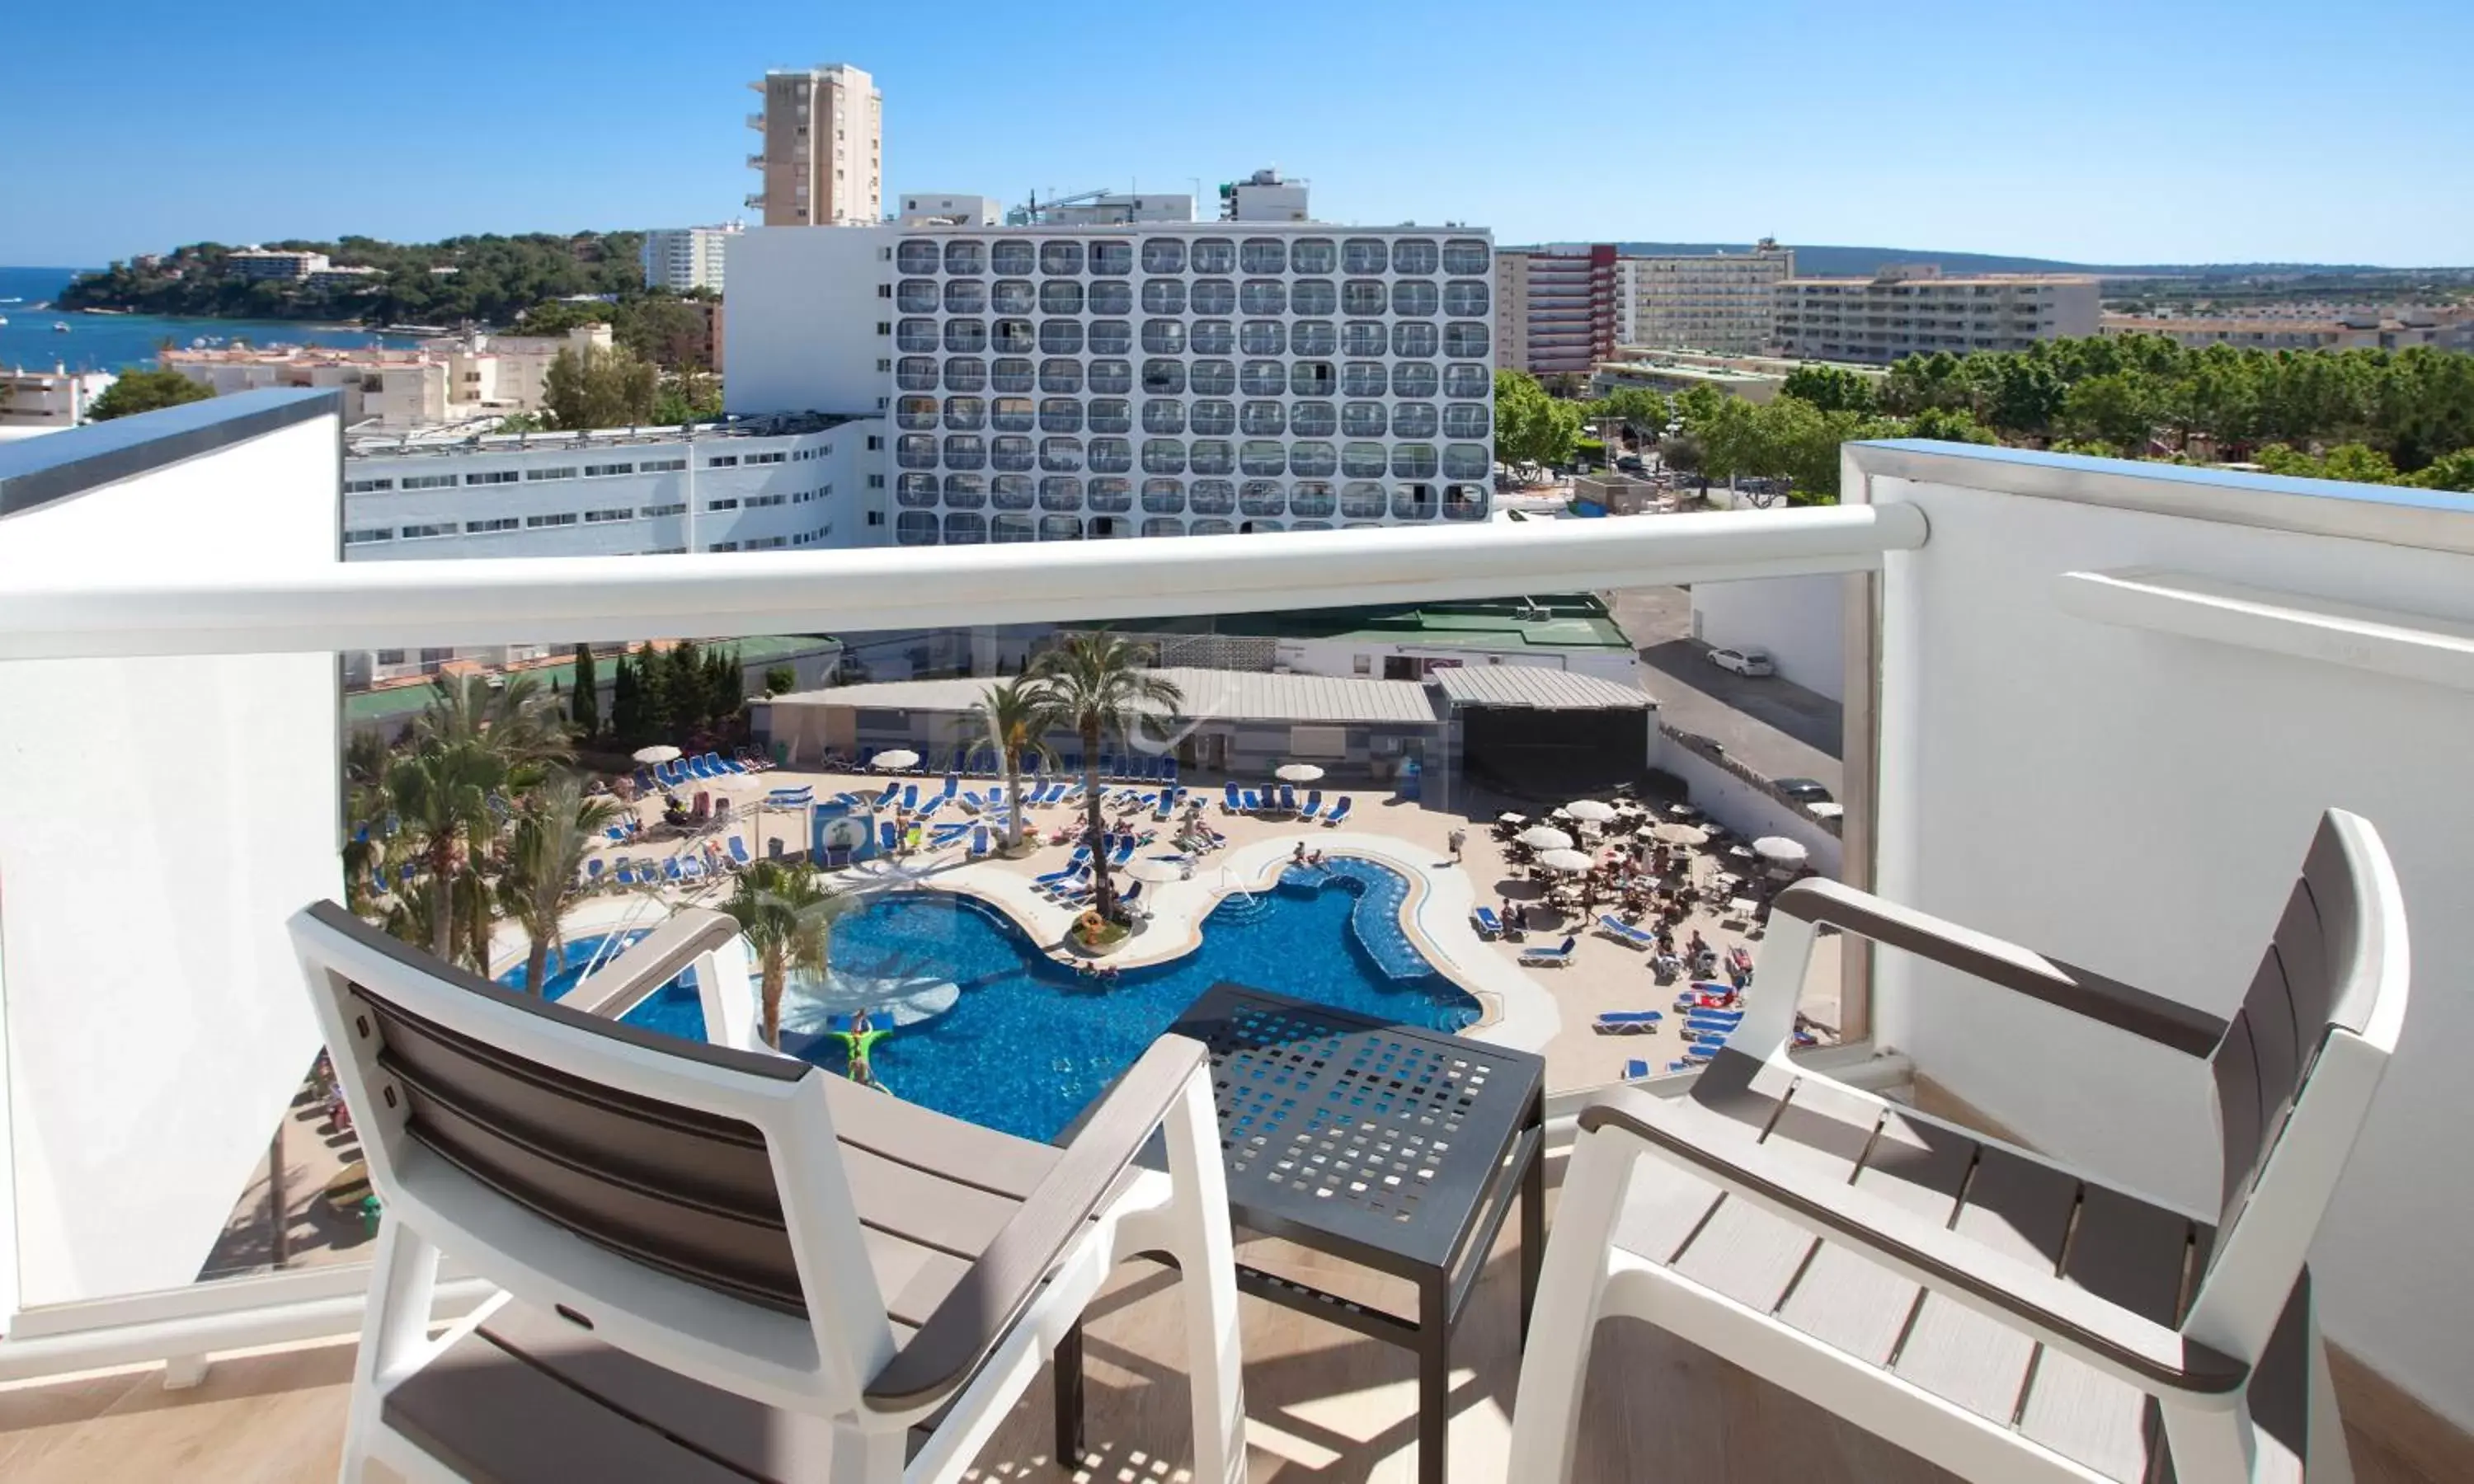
(2113, 133)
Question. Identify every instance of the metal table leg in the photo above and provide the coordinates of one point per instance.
(1434, 1375)
(1068, 1363)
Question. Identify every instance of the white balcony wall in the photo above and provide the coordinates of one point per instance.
(2138, 802)
(163, 817)
(814, 346)
(1799, 620)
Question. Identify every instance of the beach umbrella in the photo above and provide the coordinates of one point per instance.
(1297, 772)
(899, 758)
(1780, 850)
(1569, 862)
(1595, 811)
(1545, 837)
(1825, 811)
(1683, 811)
(659, 752)
(1506, 816)
(1155, 869)
(1678, 834)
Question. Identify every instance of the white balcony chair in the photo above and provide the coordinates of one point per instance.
(1999, 1314)
(720, 1265)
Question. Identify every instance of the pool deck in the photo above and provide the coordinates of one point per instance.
(1550, 1010)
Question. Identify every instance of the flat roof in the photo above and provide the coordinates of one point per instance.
(418, 443)
(403, 698)
(1537, 687)
(1250, 695)
(1572, 621)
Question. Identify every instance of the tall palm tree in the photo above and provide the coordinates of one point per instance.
(1102, 685)
(1016, 715)
(554, 831)
(440, 792)
(786, 915)
(516, 719)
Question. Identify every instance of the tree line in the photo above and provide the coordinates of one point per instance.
(491, 279)
(2404, 417)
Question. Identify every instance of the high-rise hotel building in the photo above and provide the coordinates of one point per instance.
(824, 142)
(1071, 382)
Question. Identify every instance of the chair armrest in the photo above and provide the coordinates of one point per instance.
(654, 959)
(984, 1306)
(1983, 956)
(2060, 1313)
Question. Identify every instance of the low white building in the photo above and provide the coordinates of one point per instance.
(1911, 309)
(40, 400)
(759, 484)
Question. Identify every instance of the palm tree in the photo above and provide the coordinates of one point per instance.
(516, 719)
(1099, 685)
(788, 919)
(1016, 714)
(556, 828)
(440, 792)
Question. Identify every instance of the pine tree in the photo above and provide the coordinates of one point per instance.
(626, 705)
(586, 709)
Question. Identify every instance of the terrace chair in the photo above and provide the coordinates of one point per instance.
(721, 1264)
(1555, 957)
(1339, 811)
(1624, 932)
(1998, 1312)
(1488, 925)
(1627, 1022)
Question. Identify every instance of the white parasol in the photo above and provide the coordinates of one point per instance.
(1569, 862)
(1780, 850)
(1155, 869)
(1545, 837)
(899, 758)
(1595, 811)
(659, 752)
(1678, 834)
(1297, 772)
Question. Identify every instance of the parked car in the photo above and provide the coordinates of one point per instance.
(1743, 662)
(1631, 464)
(1802, 790)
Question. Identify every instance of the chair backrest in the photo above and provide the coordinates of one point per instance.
(2296, 1071)
(503, 1129)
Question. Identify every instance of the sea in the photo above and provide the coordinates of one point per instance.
(116, 342)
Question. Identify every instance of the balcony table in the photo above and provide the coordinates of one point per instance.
(1397, 1149)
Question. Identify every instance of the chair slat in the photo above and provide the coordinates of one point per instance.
(2011, 1206)
(2337, 891)
(912, 1135)
(1751, 1256)
(2302, 950)
(923, 1206)
(2085, 1414)
(2235, 1070)
(1852, 1302)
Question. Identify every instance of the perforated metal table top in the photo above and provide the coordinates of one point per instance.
(1376, 1142)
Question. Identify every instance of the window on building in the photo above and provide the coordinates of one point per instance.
(503, 476)
(364, 538)
(367, 485)
(485, 527)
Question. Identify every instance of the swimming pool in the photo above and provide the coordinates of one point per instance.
(1032, 1042)
(570, 958)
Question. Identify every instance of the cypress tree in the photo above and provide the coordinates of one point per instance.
(586, 709)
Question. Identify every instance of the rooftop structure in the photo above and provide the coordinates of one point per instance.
(2352, 330)
(442, 380)
(822, 162)
(1723, 303)
(35, 401)
(1756, 378)
(2061, 669)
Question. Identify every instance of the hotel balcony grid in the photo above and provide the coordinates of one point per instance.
(2094, 706)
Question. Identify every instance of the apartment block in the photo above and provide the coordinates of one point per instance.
(41, 400)
(440, 380)
(681, 258)
(1556, 307)
(1911, 309)
(286, 264)
(1721, 303)
(824, 136)
(2371, 329)
(1063, 382)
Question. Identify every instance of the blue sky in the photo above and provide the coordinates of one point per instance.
(2111, 131)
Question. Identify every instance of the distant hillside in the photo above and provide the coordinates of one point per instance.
(1837, 262)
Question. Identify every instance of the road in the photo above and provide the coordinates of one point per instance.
(1771, 726)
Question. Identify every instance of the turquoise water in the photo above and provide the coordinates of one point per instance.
(113, 342)
(1032, 1042)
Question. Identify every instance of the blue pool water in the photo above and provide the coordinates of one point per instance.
(1032, 1042)
(674, 1009)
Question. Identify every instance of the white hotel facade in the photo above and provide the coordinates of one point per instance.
(932, 383)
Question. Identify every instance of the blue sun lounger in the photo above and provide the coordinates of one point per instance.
(1339, 812)
(1488, 925)
(1624, 932)
(738, 856)
(1626, 1022)
(887, 838)
(1253, 804)
(1556, 956)
(593, 870)
(1288, 799)
(692, 869)
(1124, 853)
(1635, 1070)
(978, 840)
(1229, 803)
(671, 871)
(1314, 805)
(910, 796)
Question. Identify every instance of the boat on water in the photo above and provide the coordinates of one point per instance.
(59, 326)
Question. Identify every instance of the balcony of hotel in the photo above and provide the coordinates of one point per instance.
(2096, 707)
